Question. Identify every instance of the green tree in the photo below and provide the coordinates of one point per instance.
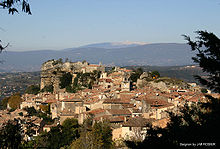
(98, 136)
(70, 130)
(48, 88)
(197, 123)
(10, 135)
(136, 74)
(208, 57)
(31, 111)
(3, 103)
(204, 90)
(155, 74)
(59, 136)
(65, 80)
(55, 137)
(33, 89)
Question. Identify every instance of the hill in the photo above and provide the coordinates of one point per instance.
(185, 73)
(160, 54)
(114, 45)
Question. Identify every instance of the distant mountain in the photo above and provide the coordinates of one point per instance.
(113, 45)
(160, 54)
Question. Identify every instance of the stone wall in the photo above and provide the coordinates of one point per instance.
(52, 70)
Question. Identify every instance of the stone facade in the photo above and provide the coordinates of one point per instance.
(52, 70)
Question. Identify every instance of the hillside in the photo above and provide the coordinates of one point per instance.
(160, 54)
(185, 73)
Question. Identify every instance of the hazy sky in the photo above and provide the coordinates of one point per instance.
(59, 24)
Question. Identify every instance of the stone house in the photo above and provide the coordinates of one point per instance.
(155, 108)
(69, 105)
(113, 104)
(106, 83)
(134, 129)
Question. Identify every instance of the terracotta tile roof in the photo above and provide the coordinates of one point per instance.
(93, 65)
(50, 101)
(114, 119)
(72, 100)
(126, 106)
(193, 99)
(127, 96)
(96, 111)
(116, 101)
(119, 111)
(137, 122)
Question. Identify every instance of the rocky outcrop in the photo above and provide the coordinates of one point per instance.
(143, 80)
(52, 70)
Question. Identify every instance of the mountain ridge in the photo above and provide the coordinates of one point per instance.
(160, 54)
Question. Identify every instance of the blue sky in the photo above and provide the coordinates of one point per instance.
(59, 24)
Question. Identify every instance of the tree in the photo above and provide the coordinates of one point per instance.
(155, 74)
(11, 6)
(96, 136)
(14, 101)
(208, 58)
(31, 111)
(136, 74)
(59, 136)
(48, 88)
(33, 89)
(65, 80)
(197, 123)
(204, 90)
(3, 47)
(70, 130)
(45, 109)
(4, 102)
(10, 135)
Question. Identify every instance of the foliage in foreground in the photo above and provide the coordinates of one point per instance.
(10, 135)
(96, 136)
(198, 123)
(59, 136)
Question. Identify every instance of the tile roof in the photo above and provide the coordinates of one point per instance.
(96, 111)
(137, 122)
(115, 101)
(119, 111)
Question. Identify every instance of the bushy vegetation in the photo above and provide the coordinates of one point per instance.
(45, 115)
(71, 135)
(11, 135)
(198, 123)
(3, 103)
(57, 137)
(48, 88)
(171, 81)
(33, 89)
(98, 135)
(155, 74)
(68, 135)
(14, 101)
(59, 61)
(81, 81)
(65, 80)
(136, 74)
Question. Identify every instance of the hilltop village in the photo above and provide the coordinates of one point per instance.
(128, 99)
